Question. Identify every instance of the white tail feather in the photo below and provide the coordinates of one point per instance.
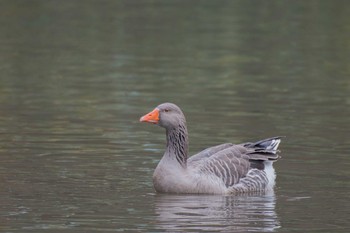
(274, 145)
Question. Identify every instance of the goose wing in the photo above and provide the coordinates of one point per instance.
(208, 152)
(230, 164)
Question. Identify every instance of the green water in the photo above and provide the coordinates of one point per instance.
(77, 75)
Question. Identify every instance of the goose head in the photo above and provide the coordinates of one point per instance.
(166, 115)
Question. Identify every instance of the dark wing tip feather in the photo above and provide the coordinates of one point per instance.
(264, 150)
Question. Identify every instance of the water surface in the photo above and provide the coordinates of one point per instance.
(76, 76)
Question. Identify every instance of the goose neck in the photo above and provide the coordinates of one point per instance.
(177, 143)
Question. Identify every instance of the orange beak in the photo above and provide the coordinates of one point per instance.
(152, 117)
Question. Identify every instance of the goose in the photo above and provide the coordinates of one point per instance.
(223, 169)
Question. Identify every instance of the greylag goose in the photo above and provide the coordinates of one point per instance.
(221, 169)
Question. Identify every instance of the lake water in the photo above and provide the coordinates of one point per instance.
(77, 75)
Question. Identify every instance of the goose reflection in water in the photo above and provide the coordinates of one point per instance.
(217, 213)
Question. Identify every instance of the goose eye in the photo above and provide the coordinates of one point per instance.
(166, 110)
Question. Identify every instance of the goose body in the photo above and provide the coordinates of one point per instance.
(221, 169)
